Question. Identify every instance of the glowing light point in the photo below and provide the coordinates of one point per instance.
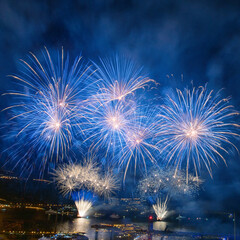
(61, 104)
(114, 122)
(138, 141)
(57, 125)
(192, 133)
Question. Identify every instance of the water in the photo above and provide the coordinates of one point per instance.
(36, 220)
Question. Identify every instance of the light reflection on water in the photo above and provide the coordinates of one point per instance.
(37, 220)
(84, 225)
(160, 226)
(75, 225)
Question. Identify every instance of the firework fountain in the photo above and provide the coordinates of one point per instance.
(84, 202)
(83, 182)
(83, 206)
(161, 184)
(160, 209)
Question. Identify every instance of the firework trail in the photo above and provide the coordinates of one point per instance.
(120, 78)
(164, 181)
(160, 209)
(195, 128)
(48, 108)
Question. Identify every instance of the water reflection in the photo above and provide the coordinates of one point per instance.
(84, 225)
(36, 220)
(159, 225)
(81, 224)
(76, 225)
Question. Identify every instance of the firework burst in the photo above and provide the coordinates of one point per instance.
(49, 107)
(120, 78)
(107, 124)
(164, 181)
(72, 177)
(126, 131)
(85, 177)
(195, 128)
(140, 140)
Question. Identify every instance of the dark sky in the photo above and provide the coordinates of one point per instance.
(199, 40)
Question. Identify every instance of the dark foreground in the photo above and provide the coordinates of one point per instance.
(31, 224)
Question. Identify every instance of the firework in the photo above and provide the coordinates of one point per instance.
(109, 184)
(72, 178)
(83, 202)
(83, 182)
(120, 78)
(195, 128)
(107, 124)
(160, 209)
(140, 140)
(126, 131)
(83, 207)
(48, 108)
(164, 181)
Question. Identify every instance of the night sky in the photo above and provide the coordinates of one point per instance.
(190, 41)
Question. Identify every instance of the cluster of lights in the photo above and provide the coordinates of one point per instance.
(86, 176)
(166, 181)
